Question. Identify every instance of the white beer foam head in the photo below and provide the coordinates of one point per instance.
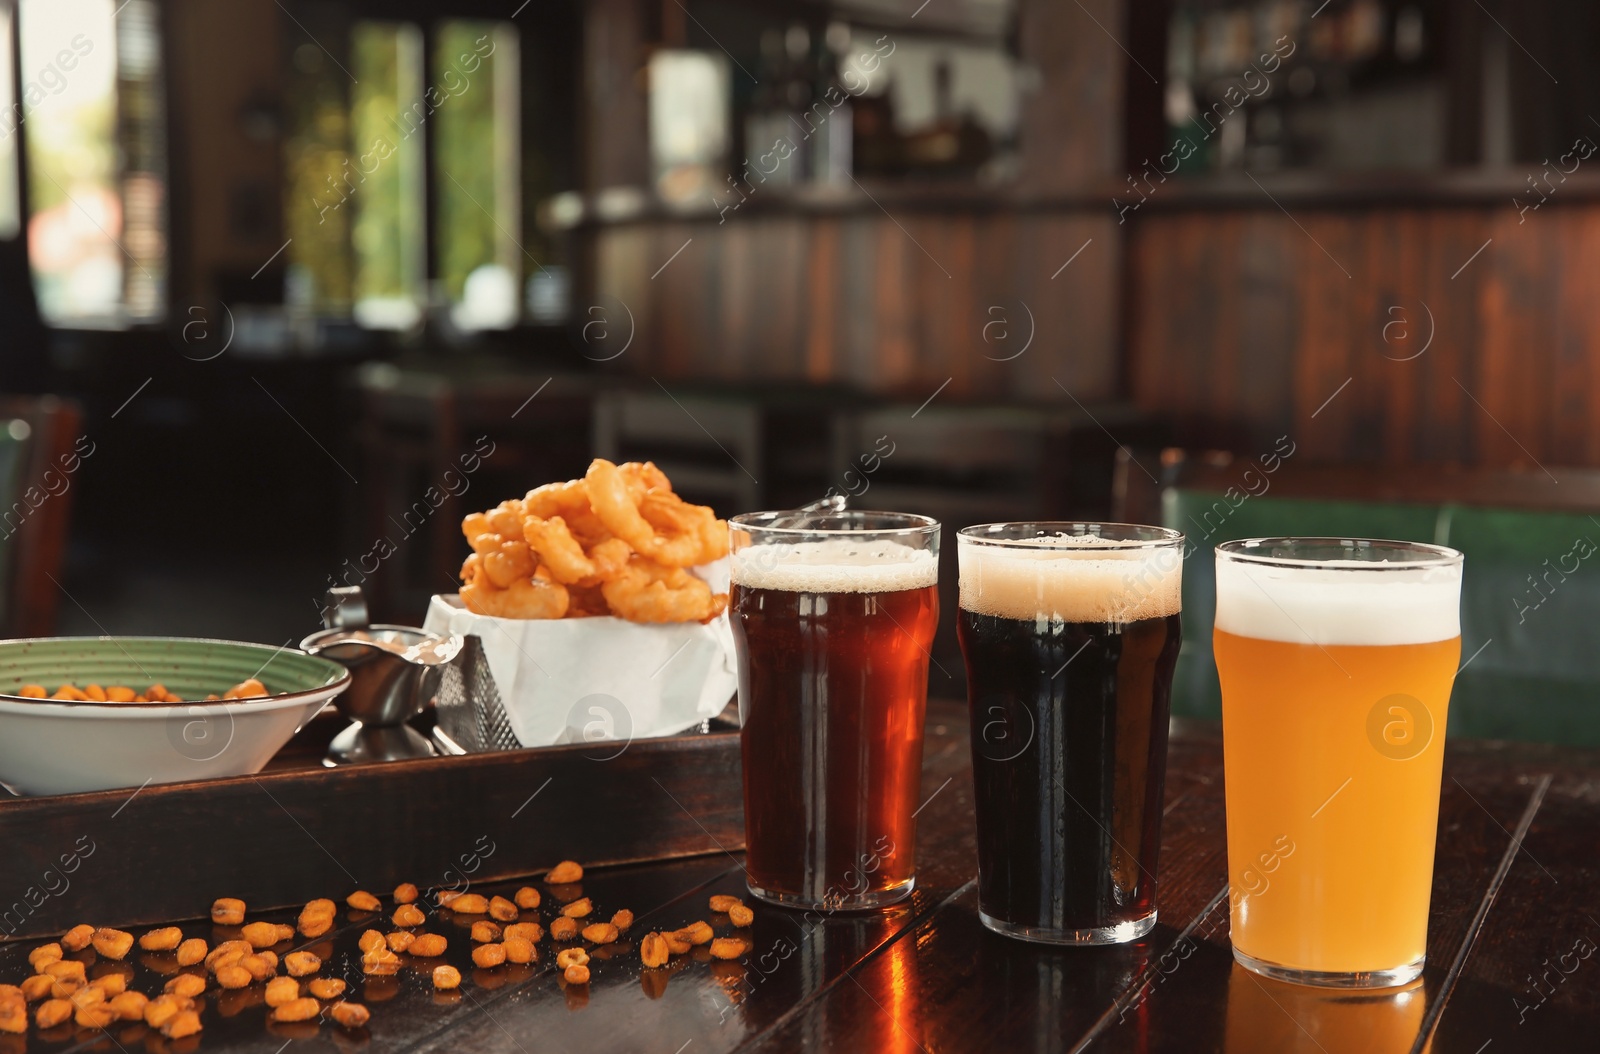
(1367, 604)
(836, 565)
(1072, 579)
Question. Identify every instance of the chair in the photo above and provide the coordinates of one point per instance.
(966, 464)
(40, 451)
(439, 441)
(1530, 590)
(709, 445)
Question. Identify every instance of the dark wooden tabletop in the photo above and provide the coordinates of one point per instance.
(1511, 957)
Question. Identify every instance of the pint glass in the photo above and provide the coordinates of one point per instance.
(833, 613)
(1070, 633)
(1336, 658)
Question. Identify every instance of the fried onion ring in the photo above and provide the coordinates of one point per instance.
(644, 477)
(609, 557)
(506, 518)
(510, 562)
(648, 592)
(570, 501)
(535, 598)
(670, 512)
(558, 550)
(613, 543)
(610, 494)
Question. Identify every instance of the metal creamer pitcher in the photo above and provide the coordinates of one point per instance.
(394, 675)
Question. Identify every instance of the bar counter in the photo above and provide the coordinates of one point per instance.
(1512, 937)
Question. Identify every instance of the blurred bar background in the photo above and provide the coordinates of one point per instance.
(291, 286)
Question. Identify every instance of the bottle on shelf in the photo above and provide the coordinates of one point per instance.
(830, 123)
(955, 143)
(776, 148)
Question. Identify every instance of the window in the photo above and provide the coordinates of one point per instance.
(360, 183)
(317, 184)
(386, 166)
(476, 173)
(91, 115)
(10, 126)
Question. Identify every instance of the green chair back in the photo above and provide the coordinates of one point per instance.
(1531, 579)
(16, 504)
(1528, 601)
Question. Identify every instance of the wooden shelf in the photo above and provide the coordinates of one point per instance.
(1442, 187)
(625, 205)
(1358, 190)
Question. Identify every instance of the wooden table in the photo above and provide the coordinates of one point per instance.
(1511, 959)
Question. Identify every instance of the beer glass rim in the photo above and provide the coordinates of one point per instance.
(1363, 554)
(1045, 535)
(841, 523)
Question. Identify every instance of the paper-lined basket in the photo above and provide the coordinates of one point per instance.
(600, 679)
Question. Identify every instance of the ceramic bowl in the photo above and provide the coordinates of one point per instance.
(56, 747)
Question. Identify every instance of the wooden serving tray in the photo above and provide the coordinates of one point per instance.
(298, 830)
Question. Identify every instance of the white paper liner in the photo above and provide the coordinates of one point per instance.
(597, 679)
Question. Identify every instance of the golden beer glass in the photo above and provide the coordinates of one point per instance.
(1336, 658)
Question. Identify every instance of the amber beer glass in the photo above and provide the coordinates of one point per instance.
(1070, 633)
(833, 613)
(1336, 658)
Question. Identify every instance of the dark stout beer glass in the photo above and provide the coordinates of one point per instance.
(1070, 633)
(833, 614)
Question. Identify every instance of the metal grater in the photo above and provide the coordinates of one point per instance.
(471, 718)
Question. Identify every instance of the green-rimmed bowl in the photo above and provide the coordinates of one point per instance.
(50, 746)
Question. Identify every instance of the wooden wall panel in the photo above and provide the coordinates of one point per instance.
(858, 320)
(1076, 311)
(783, 256)
(1445, 415)
(950, 303)
(737, 289)
(621, 285)
(887, 362)
(1344, 342)
(1244, 324)
(1513, 376)
(1577, 373)
(1176, 318)
(1267, 319)
(1390, 260)
(680, 292)
(823, 327)
(890, 305)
